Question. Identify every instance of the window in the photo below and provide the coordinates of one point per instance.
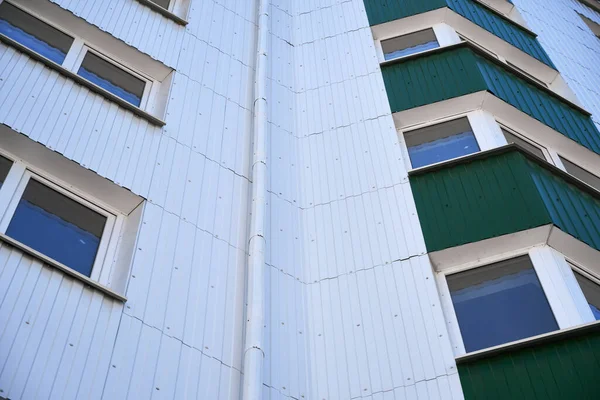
(510, 138)
(591, 291)
(163, 3)
(49, 33)
(33, 33)
(581, 174)
(409, 44)
(112, 78)
(5, 165)
(65, 230)
(500, 303)
(440, 142)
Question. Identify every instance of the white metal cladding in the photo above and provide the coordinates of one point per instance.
(56, 334)
(352, 308)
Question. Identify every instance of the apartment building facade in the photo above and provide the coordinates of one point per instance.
(283, 199)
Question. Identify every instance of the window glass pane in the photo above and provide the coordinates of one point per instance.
(162, 3)
(440, 142)
(112, 78)
(500, 303)
(5, 165)
(58, 227)
(409, 44)
(581, 174)
(510, 138)
(591, 291)
(33, 33)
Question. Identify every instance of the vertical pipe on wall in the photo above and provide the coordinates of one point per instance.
(255, 302)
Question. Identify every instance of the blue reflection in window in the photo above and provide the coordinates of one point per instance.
(502, 310)
(443, 149)
(412, 50)
(57, 227)
(595, 311)
(30, 41)
(106, 84)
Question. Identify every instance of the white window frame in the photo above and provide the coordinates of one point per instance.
(472, 117)
(149, 82)
(79, 48)
(545, 151)
(13, 188)
(556, 277)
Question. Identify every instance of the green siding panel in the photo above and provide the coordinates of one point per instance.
(540, 105)
(562, 369)
(503, 192)
(381, 11)
(478, 200)
(572, 210)
(458, 71)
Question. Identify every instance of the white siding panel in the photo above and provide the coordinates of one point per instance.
(55, 331)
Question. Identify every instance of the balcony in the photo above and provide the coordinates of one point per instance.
(458, 70)
(382, 11)
(560, 365)
(499, 192)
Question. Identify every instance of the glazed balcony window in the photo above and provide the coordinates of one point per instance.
(591, 291)
(500, 303)
(581, 174)
(440, 142)
(412, 43)
(5, 165)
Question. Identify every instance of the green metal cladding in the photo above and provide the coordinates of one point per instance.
(381, 11)
(498, 193)
(562, 369)
(460, 70)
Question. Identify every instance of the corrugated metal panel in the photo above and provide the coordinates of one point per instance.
(381, 11)
(459, 71)
(572, 210)
(478, 200)
(500, 194)
(565, 369)
(536, 103)
(501, 27)
(56, 334)
(431, 78)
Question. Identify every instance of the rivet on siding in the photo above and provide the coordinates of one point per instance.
(71, 344)
(27, 322)
(157, 388)
(114, 366)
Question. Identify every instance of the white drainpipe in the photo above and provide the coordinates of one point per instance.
(255, 302)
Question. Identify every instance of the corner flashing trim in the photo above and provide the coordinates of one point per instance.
(82, 81)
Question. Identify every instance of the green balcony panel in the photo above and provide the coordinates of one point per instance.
(564, 367)
(381, 11)
(497, 193)
(460, 70)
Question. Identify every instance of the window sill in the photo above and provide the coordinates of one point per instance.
(82, 81)
(530, 342)
(164, 12)
(55, 264)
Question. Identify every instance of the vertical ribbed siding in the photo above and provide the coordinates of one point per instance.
(56, 333)
(501, 27)
(540, 105)
(478, 200)
(381, 11)
(565, 369)
(459, 71)
(431, 78)
(500, 194)
(572, 210)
